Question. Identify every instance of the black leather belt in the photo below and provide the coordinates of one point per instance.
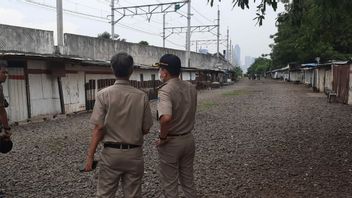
(182, 134)
(120, 145)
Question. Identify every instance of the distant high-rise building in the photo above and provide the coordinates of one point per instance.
(248, 61)
(237, 55)
(233, 58)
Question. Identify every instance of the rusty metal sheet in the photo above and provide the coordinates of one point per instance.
(341, 82)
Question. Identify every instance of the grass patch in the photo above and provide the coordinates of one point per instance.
(205, 105)
(235, 93)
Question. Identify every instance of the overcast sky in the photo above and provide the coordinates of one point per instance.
(252, 39)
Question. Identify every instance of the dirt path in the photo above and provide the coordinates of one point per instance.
(254, 139)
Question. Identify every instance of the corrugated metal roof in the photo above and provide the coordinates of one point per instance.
(281, 69)
(85, 61)
(309, 65)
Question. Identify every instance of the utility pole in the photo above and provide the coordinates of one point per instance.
(230, 52)
(188, 35)
(112, 19)
(197, 46)
(59, 23)
(164, 15)
(233, 58)
(60, 44)
(227, 44)
(146, 10)
(218, 34)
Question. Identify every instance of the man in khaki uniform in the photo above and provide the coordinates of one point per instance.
(177, 102)
(121, 116)
(5, 134)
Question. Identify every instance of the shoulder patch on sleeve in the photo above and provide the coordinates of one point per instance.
(160, 86)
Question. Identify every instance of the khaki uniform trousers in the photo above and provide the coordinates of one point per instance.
(126, 165)
(176, 165)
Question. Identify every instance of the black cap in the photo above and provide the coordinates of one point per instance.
(5, 145)
(170, 62)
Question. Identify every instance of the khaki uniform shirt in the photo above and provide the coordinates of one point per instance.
(124, 112)
(178, 98)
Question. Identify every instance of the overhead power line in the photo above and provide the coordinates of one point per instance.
(148, 10)
(83, 5)
(174, 43)
(65, 10)
(202, 15)
(93, 17)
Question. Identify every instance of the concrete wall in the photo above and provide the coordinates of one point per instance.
(103, 49)
(27, 40)
(19, 39)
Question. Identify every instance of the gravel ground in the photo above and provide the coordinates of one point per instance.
(254, 139)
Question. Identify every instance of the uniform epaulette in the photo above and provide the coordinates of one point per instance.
(160, 86)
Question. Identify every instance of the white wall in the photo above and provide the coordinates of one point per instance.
(308, 77)
(296, 76)
(321, 77)
(328, 79)
(315, 78)
(44, 91)
(285, 75)
(74, 92)
(188, 75)
(15, 93)
(147, 75)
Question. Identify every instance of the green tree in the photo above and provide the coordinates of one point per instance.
(104, 35)
(260, 66)
(143, 43)
(313, 28)
(261, 7)
(107, 35)
(236, 73)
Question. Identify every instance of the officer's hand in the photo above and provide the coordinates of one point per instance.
(89, 165)
(5, 134)
(8, 133)
(160, 142)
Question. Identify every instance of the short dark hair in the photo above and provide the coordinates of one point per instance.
(122, 64)
(171, 63)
